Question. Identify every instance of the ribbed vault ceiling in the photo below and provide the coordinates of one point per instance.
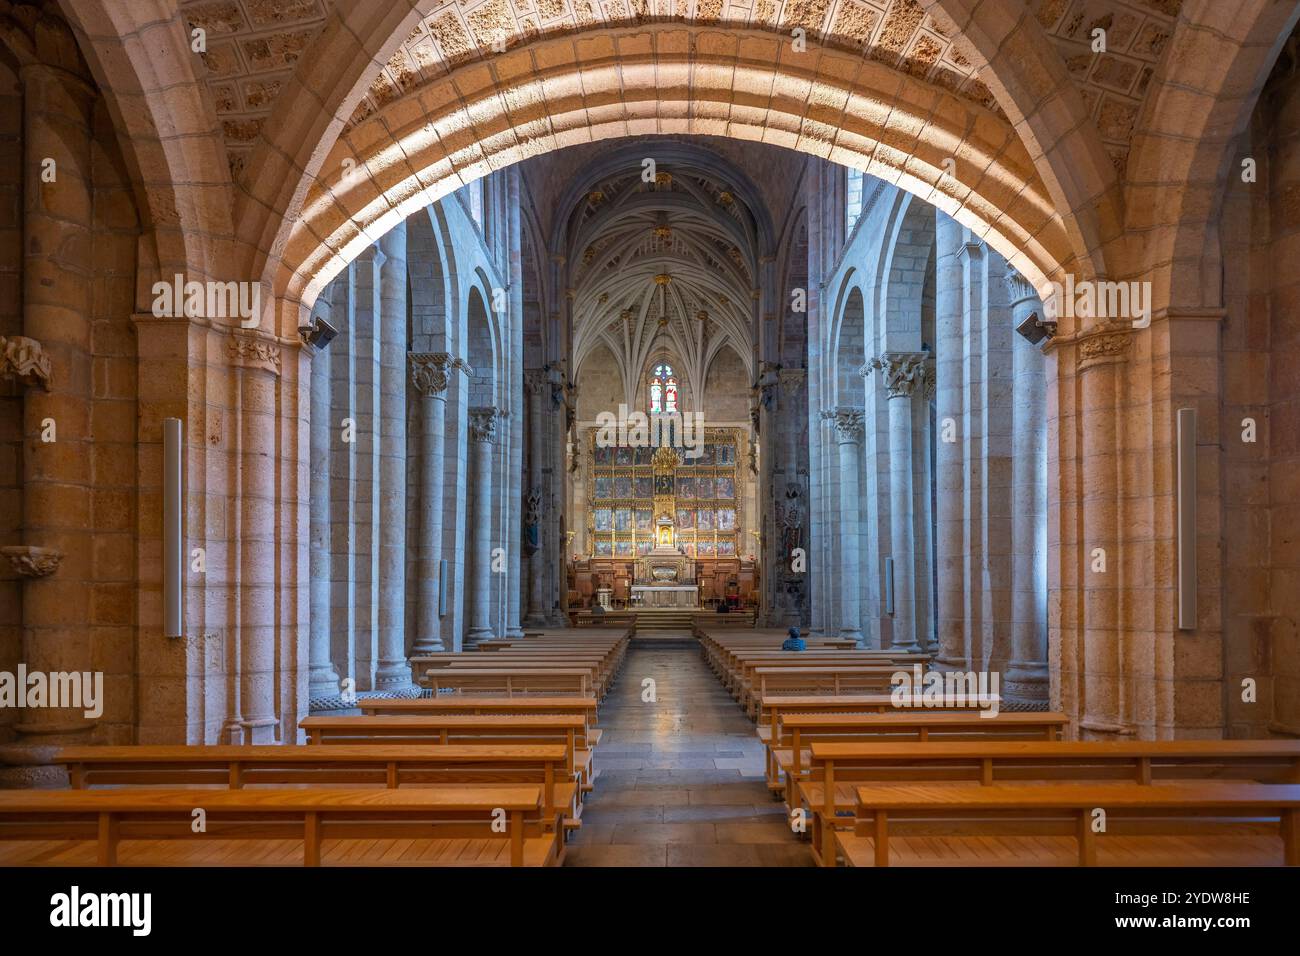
(662, 269)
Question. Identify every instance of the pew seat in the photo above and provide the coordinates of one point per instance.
(883, 812)
(455, 825)
(355, 765)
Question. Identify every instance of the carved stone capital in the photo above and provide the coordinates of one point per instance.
(483, 423)
(32, 562)
(904, 372)
(847, 421)
(1018, 287)
(24, 359)
(1104, 346)
(430, 371)
(537, 382)
(254, 351)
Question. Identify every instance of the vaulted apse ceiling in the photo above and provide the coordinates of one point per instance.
(665, 268)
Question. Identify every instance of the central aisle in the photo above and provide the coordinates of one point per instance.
(680, 779)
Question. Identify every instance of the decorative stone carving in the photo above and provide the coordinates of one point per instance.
(1104, 345)
(536, 383)
(24, 359)
(1018, 287)
(905, 372)
(789, 518)
(847, 422)
(253, 351)
(33, 562)
(769, 380)
(429, 371)
(483, 423)
(534, 511)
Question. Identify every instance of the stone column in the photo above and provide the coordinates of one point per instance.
(429, 372)
(482, 436)
(538, 390)
(1027, 683)
(564, 400)
(903, 372)
(948, 473)
(514, 453)
(848, 423)
(923, 509)
(56, 557)
(1101, 354)
(323, 680)
(256, 359)
(392, 671)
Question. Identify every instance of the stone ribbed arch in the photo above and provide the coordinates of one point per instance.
(1028, 77)
(668, 79)
(139, 55)
(1202, 99)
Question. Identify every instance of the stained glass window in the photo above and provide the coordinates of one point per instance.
(663, 389)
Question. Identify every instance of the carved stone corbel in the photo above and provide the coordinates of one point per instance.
(25, 360)
(32, 562)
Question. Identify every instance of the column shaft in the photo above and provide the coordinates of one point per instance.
(323, 680)
(848, 434)
(429, 372)
(58, 553)
(900, 520)
(482, 425)
(392, 670)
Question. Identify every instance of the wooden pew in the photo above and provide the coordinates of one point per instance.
(742, 679)
(788, 753)
(1030, 808)
(772, 707)
(422, 729)
(461, 815)
(474, 705)
(584, 618)
(837, 768)
(236, 767)
(511, 680)
(830, 680)
(603, 668)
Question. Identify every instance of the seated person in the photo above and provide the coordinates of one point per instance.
(598, 608)
(794, 642)
(723, 608)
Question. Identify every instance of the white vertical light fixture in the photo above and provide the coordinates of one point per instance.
(173, 515)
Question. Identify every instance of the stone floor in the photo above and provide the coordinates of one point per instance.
(681, 778)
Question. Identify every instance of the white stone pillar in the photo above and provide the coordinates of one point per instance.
(514, 453)
(429, 371)
(1102, 363)
(323, 680)
(848, 422)
(949, 473)
(482, 437)
(904, 372)
(1027, 682)
(256, 359)
(393, 670)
